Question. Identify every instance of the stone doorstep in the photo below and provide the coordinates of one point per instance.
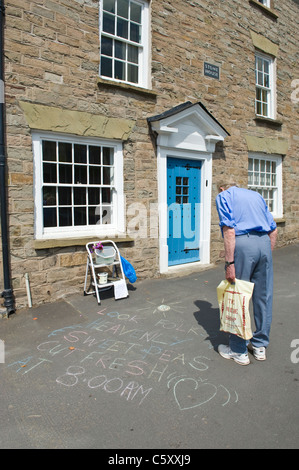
(186, 269)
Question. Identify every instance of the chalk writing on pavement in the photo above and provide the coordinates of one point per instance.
(115, 355)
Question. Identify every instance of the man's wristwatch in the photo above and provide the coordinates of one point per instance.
(228, 263)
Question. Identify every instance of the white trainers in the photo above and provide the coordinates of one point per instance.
(258, 353)
(227, 353)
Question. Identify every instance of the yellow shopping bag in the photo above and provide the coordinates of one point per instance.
(233, 300)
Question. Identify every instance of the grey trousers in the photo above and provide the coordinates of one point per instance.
(253, 262)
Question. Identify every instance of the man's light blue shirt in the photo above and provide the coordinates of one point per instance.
(244, 210)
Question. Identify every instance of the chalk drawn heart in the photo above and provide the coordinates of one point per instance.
(201, 393)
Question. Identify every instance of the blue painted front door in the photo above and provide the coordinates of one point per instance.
(183, 201)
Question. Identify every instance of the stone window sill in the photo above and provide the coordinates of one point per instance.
(265, 120)
(265, 9)
(280, 220)
(126, 87)
(65, 242)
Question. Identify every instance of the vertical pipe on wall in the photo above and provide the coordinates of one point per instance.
(7, 294)
(28, 290)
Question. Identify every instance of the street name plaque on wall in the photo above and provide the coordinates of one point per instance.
(211, 70)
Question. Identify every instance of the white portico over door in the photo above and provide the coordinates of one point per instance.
(186, 139)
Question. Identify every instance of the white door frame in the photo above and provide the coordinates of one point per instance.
(205, 204)
(188, 131)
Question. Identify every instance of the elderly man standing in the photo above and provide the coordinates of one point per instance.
(249, 232)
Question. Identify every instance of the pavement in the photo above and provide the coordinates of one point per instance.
(144, 372)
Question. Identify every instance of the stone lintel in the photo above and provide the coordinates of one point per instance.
(49, 118)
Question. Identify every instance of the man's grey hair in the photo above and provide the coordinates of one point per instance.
(227, 185)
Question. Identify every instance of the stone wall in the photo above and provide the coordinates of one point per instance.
(52, 60)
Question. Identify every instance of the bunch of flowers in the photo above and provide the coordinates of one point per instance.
(96, 246)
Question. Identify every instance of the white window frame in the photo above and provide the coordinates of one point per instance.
(262, 187)
(113, 229)
(144, 46)
(270, 90)
(266, 3)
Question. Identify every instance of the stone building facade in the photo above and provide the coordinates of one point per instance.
(151, 87)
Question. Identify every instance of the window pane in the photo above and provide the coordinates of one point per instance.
(120, 50)
(122, 28)
(135, 32)
(133, 54)
(65, 152)
(135, 13)
(108, 23)
(258, 94)
(106, 67)
(106, 195)
(132, 73)
(49, 173)
(49, 196)
(80, 196)
(80, 174)
(258, 108)
(93, 216)
(50, 217)
(264, 96)
(259, 78)
(258, 102)
(107, 156)
(49, 150)
(106, 46)
(266, 81)
(65, 174)
(119, 71)
(94, 175)
(270, 201)
(80, 155)
(93, 196)
(94, 155)
(106, 215)
(123, 8)
(65, 196)
(259, 63)
(79, 216)
(109, 5)
(108, 175)
(65, 216)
